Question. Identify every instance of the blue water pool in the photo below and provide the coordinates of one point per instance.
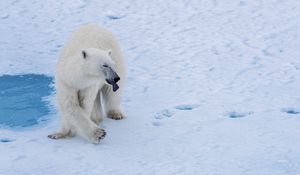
(21, 99)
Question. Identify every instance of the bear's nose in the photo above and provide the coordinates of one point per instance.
(116, 79)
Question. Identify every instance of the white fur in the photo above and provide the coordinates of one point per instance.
(80, 82)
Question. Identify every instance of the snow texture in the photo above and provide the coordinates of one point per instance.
(212, 87)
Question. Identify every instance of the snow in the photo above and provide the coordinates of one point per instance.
(212, 87)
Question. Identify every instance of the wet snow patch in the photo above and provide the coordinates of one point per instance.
(186, 107)
(234, 114)
(5, 140)
(290, 111)
(113, 16)
(22, 99)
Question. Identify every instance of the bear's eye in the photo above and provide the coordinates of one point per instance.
(105, 65)
(84, 54)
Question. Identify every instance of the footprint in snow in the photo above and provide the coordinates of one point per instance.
(163, 114)
(290, 111)
(168, 113)
(159, 116)
(234, 114)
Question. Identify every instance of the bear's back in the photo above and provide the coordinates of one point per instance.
(89, 36)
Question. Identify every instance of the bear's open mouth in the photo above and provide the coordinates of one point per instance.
(111, 77)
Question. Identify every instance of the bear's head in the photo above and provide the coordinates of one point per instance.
(99, 64)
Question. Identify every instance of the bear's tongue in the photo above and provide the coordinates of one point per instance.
(113, 84)
(115, 87)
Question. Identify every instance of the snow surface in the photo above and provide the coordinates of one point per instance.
(213, 87)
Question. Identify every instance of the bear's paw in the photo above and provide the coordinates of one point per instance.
(115, 114)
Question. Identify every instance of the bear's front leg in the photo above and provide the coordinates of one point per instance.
(96, 115)
(77, 111)
(113, 102)
(84, 126)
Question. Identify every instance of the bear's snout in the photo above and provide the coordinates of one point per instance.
(111, 75)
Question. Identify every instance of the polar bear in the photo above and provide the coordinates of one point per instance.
(89, 81)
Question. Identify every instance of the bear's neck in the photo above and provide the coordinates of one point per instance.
(76, 78)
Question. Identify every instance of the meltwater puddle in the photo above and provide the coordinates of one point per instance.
(22, 101)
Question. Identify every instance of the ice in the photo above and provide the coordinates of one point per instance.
(212, 87)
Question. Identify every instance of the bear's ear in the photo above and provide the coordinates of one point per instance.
(84, 55)
(109, 52)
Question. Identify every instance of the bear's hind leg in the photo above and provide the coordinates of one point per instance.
(58, 135)
(64, 132)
